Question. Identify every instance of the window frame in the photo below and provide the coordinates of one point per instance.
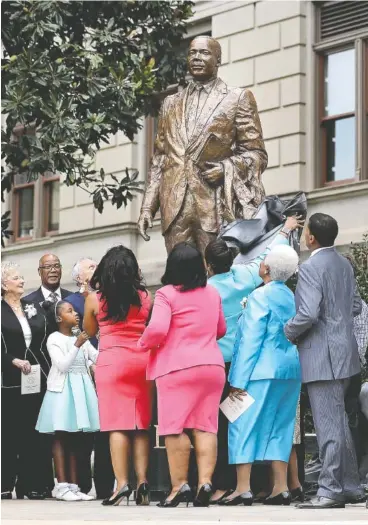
(17, 188)
(357, 40)
(46, 191)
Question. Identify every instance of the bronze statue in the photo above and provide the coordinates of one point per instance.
(208, 157)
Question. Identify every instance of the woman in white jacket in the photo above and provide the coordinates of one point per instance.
(70, 403)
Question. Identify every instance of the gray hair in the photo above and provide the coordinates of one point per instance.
(76, 268)
(6, 268)
(282, 261)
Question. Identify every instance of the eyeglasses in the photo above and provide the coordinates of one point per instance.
(49, 267)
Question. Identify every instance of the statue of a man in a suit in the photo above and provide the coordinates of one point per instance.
(208, 158)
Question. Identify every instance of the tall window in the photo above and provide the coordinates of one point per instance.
(51, 192)
(35, 207)
(342, 48)
(23, 215)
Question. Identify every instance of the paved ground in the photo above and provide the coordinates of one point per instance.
(92, 513)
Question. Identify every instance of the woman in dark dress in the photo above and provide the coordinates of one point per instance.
(26, 455)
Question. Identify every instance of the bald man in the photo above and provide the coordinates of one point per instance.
(208, 158)
(50, 271)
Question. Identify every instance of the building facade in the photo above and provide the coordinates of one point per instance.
(307, 65)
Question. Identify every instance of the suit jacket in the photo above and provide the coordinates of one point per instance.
(261, 349)
(183, 330)
(13, 345)
(37, 295)
(229, 128)
(326, 301)
(235, 285)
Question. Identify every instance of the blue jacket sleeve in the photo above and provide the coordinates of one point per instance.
(253, 267)
(253, 326)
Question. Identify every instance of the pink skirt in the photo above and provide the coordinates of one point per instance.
(189, 399)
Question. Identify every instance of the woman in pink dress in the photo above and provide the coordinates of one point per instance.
(187, 364)
(119, 311)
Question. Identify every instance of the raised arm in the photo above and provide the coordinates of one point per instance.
(90, 324)
(253, 326)
(158, 328)
(308, 295)
(62, 361)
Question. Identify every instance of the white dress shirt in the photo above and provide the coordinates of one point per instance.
(320, 249)
(46, 293)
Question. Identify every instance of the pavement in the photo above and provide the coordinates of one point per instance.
(52, 512)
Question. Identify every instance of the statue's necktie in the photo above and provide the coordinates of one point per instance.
(193, 109)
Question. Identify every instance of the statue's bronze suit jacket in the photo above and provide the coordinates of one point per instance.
(227, 130)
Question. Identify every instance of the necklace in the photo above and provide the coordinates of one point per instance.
(15, 308)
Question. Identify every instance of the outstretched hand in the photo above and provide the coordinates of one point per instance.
(294, 222)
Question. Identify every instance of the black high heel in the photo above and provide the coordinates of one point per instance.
(225, 495)
(284, 498)
(204, 495)
(246, 498)
(32, 495)
(124, 492)
(297, 495)
(143, 494)
(6, 495)
(184, 494)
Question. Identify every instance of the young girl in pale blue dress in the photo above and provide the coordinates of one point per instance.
(70, 403)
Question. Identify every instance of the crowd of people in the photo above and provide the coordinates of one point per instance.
(214, 330)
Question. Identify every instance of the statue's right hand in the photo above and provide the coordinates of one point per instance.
(144, 222)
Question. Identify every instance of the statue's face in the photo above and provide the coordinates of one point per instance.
(203, 60)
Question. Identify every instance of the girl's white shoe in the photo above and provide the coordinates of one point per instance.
(63, 492)
(76, 490)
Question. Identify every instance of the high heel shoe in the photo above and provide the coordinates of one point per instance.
(33, 495)
(143, 495)
(225, 495)
(184, 494)
(284, 498)
(6, 495)
(246, 498)
(124, 492)
(297, 495)
(204, 495)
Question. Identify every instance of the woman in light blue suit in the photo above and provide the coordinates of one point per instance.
(265, 365)
(234, 282)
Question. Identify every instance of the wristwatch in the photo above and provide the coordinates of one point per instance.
(285, 230)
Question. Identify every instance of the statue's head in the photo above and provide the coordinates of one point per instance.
(204, 58)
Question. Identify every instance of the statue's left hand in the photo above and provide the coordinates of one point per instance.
(214, 175)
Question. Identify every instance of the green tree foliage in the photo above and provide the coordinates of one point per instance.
(358, 256)
(75, 72)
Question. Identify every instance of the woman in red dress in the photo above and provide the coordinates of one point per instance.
(119, 311)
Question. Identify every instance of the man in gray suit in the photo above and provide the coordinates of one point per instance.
(326, 302)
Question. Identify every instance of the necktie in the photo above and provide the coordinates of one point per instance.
(53, 297)
(192, 110)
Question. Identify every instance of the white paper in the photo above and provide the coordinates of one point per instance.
(234, 409)
(31, 383)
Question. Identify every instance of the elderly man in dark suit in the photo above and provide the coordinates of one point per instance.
(50, 271)
(209, 155)
(326, 302)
